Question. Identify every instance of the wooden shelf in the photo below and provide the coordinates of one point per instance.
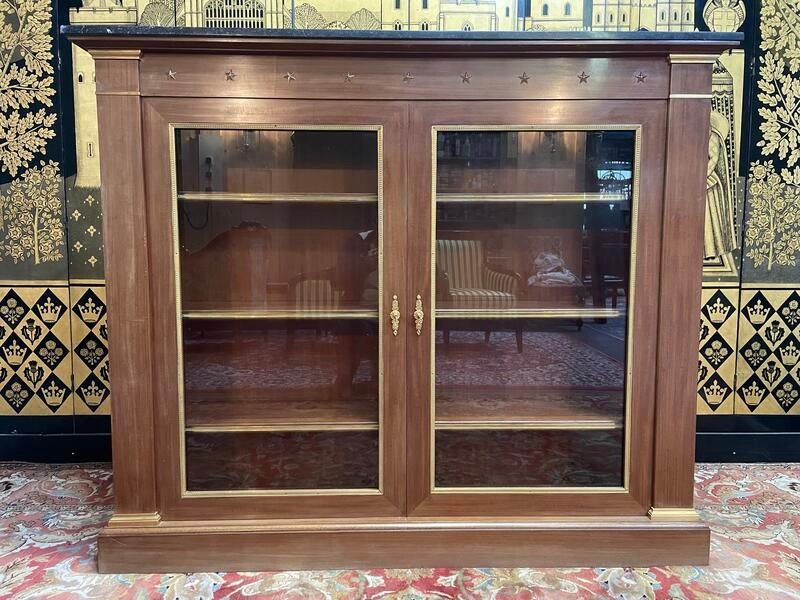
(584, 198)
(306, 409)
(486, 407)
(528, 313)
(267, 198)
(279, 314)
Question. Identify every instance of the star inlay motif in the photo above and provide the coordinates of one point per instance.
(466, 76)
(524, 78)
(289, 76)
(348, 77)
(171, 74)
(230, 75)
(407, 77)
(640, 77)
(583, 77)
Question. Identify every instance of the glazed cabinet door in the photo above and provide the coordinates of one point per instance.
(277, 232)
(535, 237)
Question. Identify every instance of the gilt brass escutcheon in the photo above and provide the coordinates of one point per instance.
(419, 315)
(394, 315)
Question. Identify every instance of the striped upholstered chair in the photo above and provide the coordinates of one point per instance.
(311, 292)
(468, 281)
(465, 280)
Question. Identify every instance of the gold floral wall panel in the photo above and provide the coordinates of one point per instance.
(769, 352)
(769, 322)
(772, 228)
(89, 350)
(32, 234)
(35, 342)
(717, 358)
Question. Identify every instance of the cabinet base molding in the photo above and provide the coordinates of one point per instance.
(673, 514)
(134, 520)
(402, 543)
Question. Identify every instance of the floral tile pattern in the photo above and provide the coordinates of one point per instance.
(51, 515)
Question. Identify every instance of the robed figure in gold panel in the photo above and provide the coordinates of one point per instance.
(720, 230)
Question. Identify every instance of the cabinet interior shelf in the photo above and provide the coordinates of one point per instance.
(313, 198)
(525, 407)
(479, 408)
(311, 408)
(585, 198)
(528, 313)
(533, 424)
(280, 314)
(281, 427)
(441, 313)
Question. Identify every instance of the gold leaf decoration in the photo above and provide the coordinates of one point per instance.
(26, 79)
(773, 227)
(30, 216)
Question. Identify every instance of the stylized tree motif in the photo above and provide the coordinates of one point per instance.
(362, 20)
(773, 227)
(780, 97)
(30, 216)
(164, 13)
(26, 79)
(308, 17)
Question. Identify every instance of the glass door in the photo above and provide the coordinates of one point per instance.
(532, 290)
(278, 247)
(524, 369)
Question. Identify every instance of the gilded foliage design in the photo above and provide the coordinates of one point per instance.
(30, 216)
(772, 229)
(163, 13)
(307, 16)
(25, 81)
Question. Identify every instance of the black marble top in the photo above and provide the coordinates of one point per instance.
(338, 34)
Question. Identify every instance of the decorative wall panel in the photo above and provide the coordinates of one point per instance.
(89, 349)
(769, 352)
(717, 362)
(35, 342)
(772, 227)
(32, 235)
(85, 225)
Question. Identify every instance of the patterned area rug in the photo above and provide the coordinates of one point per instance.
(50, 517)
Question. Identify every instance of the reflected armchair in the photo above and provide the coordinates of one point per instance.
(469, 282)
(465, 280)
(311, 292)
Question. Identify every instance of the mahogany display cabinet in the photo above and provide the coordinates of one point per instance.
(402, 301)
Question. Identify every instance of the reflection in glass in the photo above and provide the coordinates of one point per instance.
(515, 458)
(279, 371)
(277, 161)
(289, 256)
(277, 246)
(280, 460)
(532, 280)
